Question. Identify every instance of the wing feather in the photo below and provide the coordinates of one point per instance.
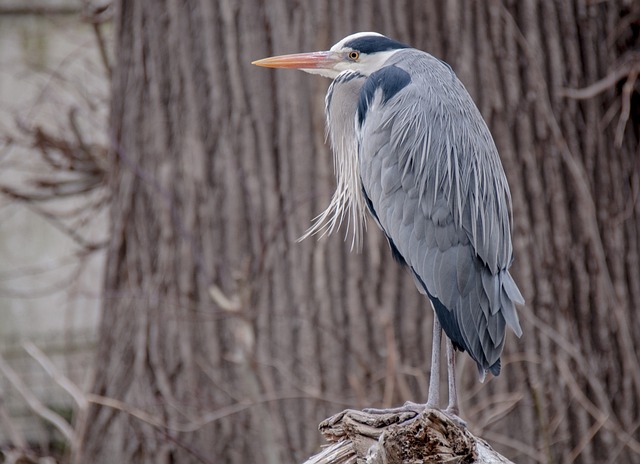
(429, 165)
(464, 273)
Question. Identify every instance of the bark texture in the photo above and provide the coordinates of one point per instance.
(234, 340)
(428, 437)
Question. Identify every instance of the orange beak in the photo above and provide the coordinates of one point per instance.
(312, 60)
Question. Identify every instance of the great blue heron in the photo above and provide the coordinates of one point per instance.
(412, 148)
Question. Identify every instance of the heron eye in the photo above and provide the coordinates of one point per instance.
(354, 56)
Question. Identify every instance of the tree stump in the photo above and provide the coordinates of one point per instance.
(358, 437)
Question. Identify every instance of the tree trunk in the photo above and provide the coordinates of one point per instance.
(227, 341)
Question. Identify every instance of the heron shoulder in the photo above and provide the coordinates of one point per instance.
(389, 80)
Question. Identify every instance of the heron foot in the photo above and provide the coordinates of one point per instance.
(417, 409)
(409, 406)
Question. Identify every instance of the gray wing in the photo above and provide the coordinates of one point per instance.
(434, 181)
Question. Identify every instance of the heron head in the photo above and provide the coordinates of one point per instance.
(363, 52)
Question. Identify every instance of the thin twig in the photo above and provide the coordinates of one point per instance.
(78, 395)
(627, 92)
(189, 449)
(586, 439)
(104, 55)
(73, 124)
(600, 416)
(35, 404)
(17, 439)
(194, 424)
(516, 445)
(54, 220)
(597, 87)
(126, 408)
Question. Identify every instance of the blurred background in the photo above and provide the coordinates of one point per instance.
(155, 304)
(53, 90)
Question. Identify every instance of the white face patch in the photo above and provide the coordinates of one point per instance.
(366, 63)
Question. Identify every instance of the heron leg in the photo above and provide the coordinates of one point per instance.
(433, 398)
(453, 410)
(451, 369)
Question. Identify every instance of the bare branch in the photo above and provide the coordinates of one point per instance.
(104, 55)
(17, 438)
(191, 426)
(35, 404)
(596, 88)
(627, 91)
(600, 416)
(70, 387)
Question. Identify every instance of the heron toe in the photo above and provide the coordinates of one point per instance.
(417, 409)
(409, 406)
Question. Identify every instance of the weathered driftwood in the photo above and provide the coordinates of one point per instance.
(358, 437)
